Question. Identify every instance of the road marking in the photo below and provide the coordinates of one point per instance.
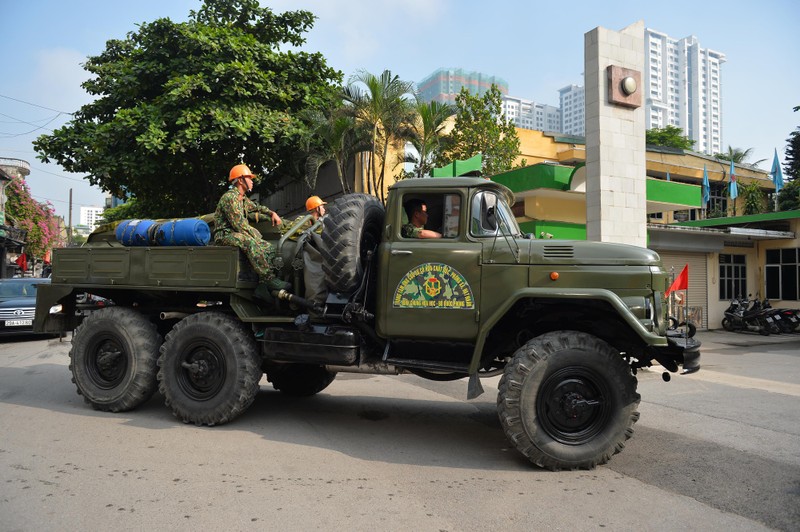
(785, 388)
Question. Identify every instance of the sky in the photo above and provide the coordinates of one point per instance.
(536, 46)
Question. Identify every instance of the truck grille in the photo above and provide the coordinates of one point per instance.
(558, 252)
(16, 314)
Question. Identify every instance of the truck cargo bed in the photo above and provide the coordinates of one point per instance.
(163, 267)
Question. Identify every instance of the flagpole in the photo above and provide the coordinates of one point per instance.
(777, 177)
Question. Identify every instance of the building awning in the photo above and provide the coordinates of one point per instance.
(558, 182)
(707, 239)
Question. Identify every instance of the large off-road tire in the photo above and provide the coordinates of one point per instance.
(300, 380)
(209, 369)
(352, 227)
(568, 400)
(113, 359)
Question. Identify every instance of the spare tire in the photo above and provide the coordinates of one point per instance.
(352, 227)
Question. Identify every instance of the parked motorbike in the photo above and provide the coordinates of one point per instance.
(788, 319)
(740, 316)
(767, 315)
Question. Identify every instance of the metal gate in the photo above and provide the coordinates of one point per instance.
(697, 307)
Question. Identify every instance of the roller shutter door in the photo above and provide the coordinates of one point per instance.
(698, 278)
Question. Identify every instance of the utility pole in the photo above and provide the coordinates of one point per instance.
(69, 223)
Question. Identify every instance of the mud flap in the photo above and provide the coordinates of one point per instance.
(474, 388)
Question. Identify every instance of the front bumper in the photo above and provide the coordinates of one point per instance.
(680, 351)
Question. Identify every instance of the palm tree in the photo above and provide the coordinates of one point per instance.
(336, 137)
(737, 155)
(382, 105)
(425, 134)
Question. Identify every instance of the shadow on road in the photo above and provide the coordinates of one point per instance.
(444, 433)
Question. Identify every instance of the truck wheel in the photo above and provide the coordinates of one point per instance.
(113, 359)
(352, 227)
(300, 380)
(568, 400)
(209, 369)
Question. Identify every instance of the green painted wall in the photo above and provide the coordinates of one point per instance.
(458, 168)
(536, 176)
(673, 192)
(560, 230)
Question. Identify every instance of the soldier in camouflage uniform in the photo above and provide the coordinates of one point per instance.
(232, 227)
(417, 212)
(316, 208)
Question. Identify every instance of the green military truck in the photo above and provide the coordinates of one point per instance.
(566, 324)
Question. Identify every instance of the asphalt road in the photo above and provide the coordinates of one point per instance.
(718, 450)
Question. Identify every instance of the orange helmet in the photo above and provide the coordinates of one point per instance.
(313, 202)
(240, 170)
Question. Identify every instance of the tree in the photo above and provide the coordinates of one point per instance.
(126, 211)
(789, 196)
(381, 103)
(425, 133)
(791, 165)
(738, 156)
(670, 136)
(481, 128)
(38, 219)
(754, 198)
(333, 136)
(177, 104)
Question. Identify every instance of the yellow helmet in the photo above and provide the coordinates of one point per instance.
(240, 170)
(313, 202)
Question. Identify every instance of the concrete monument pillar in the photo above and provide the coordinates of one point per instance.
(616, 195)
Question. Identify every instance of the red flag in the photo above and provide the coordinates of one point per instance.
(22, 262)
(681, 282)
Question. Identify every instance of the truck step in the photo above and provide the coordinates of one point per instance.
(428, 365)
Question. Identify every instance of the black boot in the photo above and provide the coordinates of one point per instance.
(276, 284)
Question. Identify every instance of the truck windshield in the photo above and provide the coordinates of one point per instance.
(491, 213)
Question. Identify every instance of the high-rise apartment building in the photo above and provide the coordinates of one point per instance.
(684, 88)
(90, 216)
(527, 114)
(445, 83)
(573, 114)
(683, 85)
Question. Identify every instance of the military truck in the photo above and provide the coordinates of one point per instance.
(565, 324)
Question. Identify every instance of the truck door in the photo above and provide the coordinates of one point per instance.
(430, 286)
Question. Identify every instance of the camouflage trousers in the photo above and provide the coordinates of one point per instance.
(260, 253)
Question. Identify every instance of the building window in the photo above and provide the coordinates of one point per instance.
(732, 276)
(718, 200)
(783, 274)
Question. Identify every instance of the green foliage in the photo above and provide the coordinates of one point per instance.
(789, 196)
(379, 103)
(481, 128)
(334, 136)
(127, 211)
(177, 104)
(754, 198)
(670, 136)
(38, 219)
(738, 156)
(791, 166)
(425, 132)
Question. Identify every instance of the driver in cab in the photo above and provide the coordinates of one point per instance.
(417, 212)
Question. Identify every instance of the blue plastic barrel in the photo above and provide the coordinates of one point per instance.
(135, 232)
(184, 232)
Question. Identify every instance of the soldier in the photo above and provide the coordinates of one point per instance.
(316, 207)
(417, 212)
(231, 228)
